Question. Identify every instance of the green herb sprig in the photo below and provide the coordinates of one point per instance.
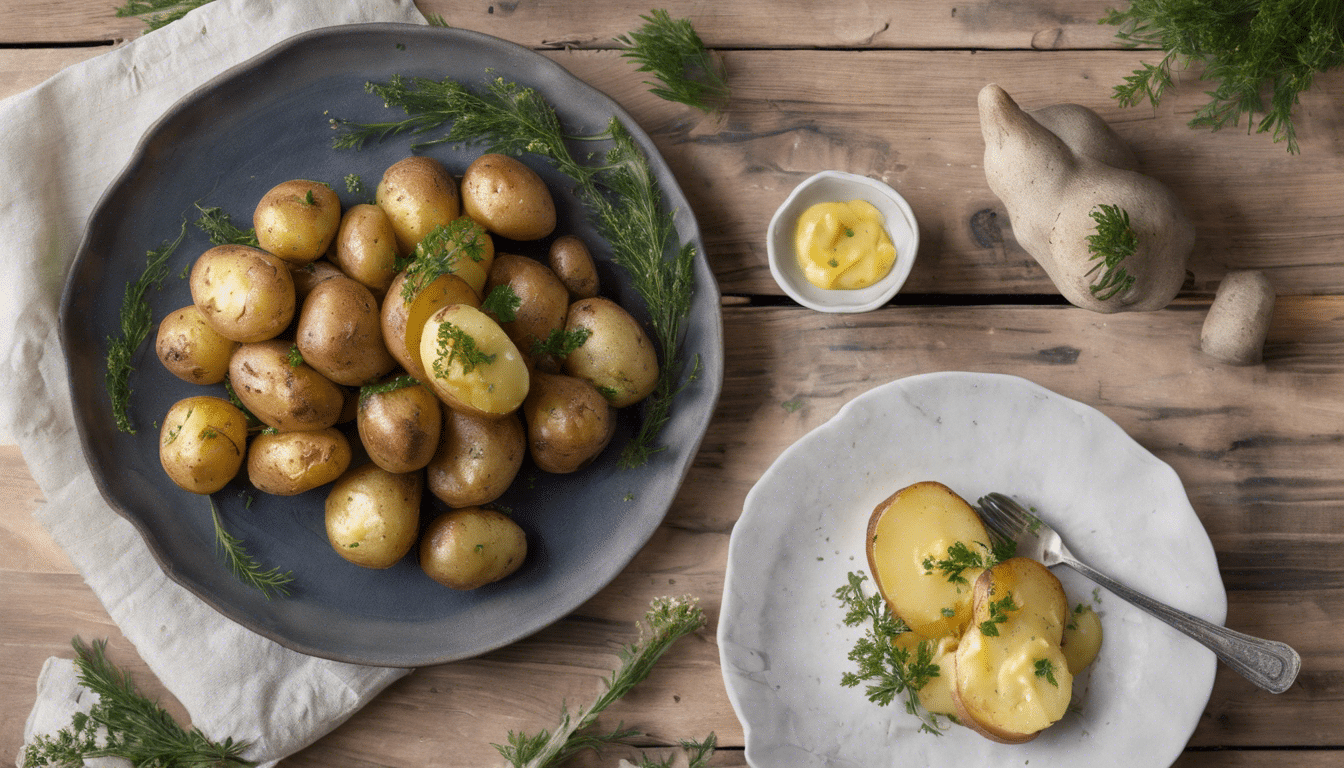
(1046, 668)
(391, 385)
(998, 614)
(560, 343)
(502, 302)
(219, 227)
(440, 253)
(271, 582)
(671, 50)
(456, 345)
(159, 13)
(1114, 241)
(961, 558)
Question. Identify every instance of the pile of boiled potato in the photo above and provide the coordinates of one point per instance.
(317, 328)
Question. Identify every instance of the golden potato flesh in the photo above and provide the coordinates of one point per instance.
(477, 458)
(366, 247)
(244, 293)
(472, 547)
(297, 220)
(542, 300)
(399, 428)
(290, 463)
(373, 516)
(403, 319)
(340, 333)
(1082, 638)
(281, 391)
(568, 422)
(471, 362)
(618, 358)
(418, 194)
(572, 262)
(202, 443)
(508, 198)
(191, 349)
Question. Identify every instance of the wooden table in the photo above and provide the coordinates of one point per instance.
(887, 90)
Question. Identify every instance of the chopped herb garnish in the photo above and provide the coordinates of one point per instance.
(439, 252)
(1046, 668)
(456, 345)
(382, 388)
(502, 302)
(560, 342)
(998, 614)
(219, 227)
(295, 357)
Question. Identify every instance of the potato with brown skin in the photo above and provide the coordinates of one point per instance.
(202, 443)
(340, 333)
(366, 247)
(403, 320)
(571, 261)
(289, 397)
(542, 301)
(373, 516)
(191, 349)
(399, 425)
(472, 364)
(244, 293)
(617, 357)
(568, 422)
(469, 548)
(290, 463)
(418, 194)
(477, 458)
(308, 276)
(297, 220)
(508, 198)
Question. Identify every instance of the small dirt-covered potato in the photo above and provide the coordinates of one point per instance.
(617, 356)
(289, 463)
(568, 422)
(309, 275)
(472, 547)
(373, 516)
(542, 301)
(191, 349)
(418, 195)
(340, 333)
(508, 198)
(281, 390)
(399, 424)
(572, 262)
(472, 364)
(297, 220)
(202, 443)
(366, 247)
(477, 458)
(244, 293)
(404, 319)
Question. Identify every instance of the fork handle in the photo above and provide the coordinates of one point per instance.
(1269, 664)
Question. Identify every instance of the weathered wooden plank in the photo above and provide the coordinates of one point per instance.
(21, 69)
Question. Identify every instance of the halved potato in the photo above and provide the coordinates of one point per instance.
(472, 364)
(403, 319)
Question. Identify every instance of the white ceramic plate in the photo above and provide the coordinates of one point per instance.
(783, 645)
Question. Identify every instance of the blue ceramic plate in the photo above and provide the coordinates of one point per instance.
(267, 121)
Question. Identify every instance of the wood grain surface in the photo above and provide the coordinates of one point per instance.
(887, 90)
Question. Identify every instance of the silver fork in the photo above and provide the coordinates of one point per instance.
(1269, 664)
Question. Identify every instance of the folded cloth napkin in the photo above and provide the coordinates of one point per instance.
(65, 140)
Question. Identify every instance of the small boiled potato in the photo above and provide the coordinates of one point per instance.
(472, 547)
(366, 247)
(403, 319)
(202, 442)
(477, 458)
(568, 422)
(572, 262)
(297, 220)
(543, 301)
(340, 333)
(418, 194)
(462, 248)
(508, 198)
(472, 364)
(617, 356)
(191, 349)
(400, 428)
(309, 275)
(289, 463)
(373, 516)
(282, 394)
(244, 293)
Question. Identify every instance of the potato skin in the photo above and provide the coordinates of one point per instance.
(202, 442)
(340, 333)
(297, 220)
(571, 261)
(309, 275)
(366, 247)
(543, 299)
(418, 194)
(508, 198)
(477, 458)
(191, 349)
(568, 422)
(618, 358)
(244, 293)
(289, 398)
(373, 516)
(400, 429)
(469, 548)
(290, 463)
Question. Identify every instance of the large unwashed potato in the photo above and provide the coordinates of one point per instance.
(508, 198)
(244, 293)
(568, 422)
(618, 358)
(202, 443)
(418, 195)
(297, 220)
(373, 516)
(472, 547)
(340, 333)
(400, 428)
(290, 463)
(477, 458)
(281, 391)
(191, 348)
(471, 363)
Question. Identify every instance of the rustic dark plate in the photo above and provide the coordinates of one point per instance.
(226, 144)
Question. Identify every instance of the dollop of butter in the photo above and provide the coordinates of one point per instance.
(843, 245)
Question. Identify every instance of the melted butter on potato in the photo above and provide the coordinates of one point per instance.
(472, 364)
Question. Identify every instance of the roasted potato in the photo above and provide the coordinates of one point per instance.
(366, 247)
(289, 463)
(202, 443)
(403, 319)
(400, 428)
(418, 194)
(617, 356)
(508, 198)
(297, 220)
(477, 458)
(373, 516)
(471, 363)
(191, 349)
(472, 547)
(543, 301)
(281, 391)
(340, 333)
(571, 261)
(244, 293)
(568, 422)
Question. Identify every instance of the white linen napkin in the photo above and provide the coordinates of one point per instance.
(64, 141)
